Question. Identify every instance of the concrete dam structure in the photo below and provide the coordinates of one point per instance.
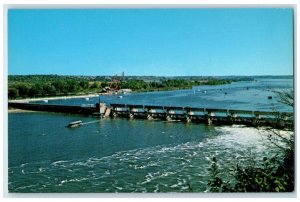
(170, 113)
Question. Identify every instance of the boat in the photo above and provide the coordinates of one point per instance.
(270, 97)
(46, 101)
(120, 96)
(74, 124)
(86, 98)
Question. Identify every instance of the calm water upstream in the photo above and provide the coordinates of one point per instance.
(120, 155)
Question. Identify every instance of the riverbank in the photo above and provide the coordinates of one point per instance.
(12, 110)
(97, 94)
(26, 100)
(57, 98)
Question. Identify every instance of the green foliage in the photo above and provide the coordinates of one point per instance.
(215, 82)
(270, 175)
(103, 84)
(215, 182)
(260, 178)
(85, 84)
(46, 85)
(134, 85)
(23, 89)
(169, 84)
(13, 93)
(95, 85)
(286, 97)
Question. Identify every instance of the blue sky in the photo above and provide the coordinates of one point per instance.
(165, 42)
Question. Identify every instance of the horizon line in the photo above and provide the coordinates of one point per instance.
(148, 75)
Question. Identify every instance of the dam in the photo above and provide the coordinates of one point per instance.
(169, 113)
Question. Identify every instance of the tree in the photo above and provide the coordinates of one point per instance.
(49, 89)
(35, 90)
(84, 84)
(95, 85)
(59, 86)
(13, 93)
(104, 84)
(216, 183)
(23, 89)
(286, 97)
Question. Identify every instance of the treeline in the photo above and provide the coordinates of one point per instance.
(29, 86)
(140, 85)
(41, 86)
(53, 77)
(171, 84)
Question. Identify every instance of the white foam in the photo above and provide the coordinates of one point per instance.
(23, 164)
(185, 161)
(58, 163)
(25, 187)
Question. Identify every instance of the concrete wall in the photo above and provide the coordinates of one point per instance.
(52, 108)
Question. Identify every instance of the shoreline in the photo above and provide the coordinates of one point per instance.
(26, 100)
(13, 110)
(57, 98)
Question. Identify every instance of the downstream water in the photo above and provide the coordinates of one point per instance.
(120, 155)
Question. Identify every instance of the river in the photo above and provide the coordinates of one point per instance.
(121, 155)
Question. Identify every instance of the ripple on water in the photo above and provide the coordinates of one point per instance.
(163, 168)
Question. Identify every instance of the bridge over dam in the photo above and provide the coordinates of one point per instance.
(170, 113)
